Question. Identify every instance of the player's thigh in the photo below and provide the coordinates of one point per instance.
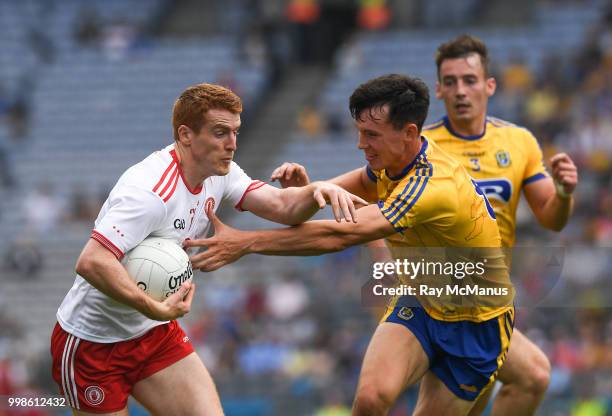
(482, 401)
(184, 388)
(123, 412)
(436, 399)
(524, 362)
(394, 360)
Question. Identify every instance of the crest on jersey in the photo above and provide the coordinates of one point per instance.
(405, 313)
(94, 395)
(503, 158)
(209, 204)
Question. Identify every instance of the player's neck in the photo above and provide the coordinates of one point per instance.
(193, 176)
(402, 167)
(474, 127)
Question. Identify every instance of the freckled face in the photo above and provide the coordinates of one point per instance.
(214, 146)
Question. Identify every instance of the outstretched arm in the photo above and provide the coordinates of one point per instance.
(295, 205)
(356, 181)
(308, 239)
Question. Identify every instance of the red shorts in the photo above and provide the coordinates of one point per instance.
(98, 378)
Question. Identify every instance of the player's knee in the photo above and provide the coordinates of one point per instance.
(371, 400)
(537, 377)
(540, 375)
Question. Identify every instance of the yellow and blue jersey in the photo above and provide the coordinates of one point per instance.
(433, 202)
(502, 160)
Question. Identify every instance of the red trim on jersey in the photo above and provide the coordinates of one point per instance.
(171, 190)
(254, 185)
(194, 191)
(164, 175)
(107, 244)
(172, 180)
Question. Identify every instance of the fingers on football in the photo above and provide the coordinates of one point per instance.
(190, 294)
(184, 290)
(180, 302)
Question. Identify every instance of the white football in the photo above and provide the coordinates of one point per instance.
(158, 266)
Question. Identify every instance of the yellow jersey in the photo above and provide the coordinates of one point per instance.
(502, 160)
(434, 203)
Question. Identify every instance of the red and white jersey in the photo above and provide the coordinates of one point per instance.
(151, 198)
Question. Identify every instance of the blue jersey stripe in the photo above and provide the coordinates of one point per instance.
(371, 174)
(406, 188)
(414, 201)
(426, 172)
(400, 200)
(533, 178)
(399, 197)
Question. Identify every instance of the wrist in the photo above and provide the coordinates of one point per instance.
(147, 306)
(250, 243)
(560, 191)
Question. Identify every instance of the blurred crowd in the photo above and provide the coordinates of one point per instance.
(568, 107)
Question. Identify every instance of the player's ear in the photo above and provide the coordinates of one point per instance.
(491, 86)
(438, 91)
(411, 131)
(185, 134)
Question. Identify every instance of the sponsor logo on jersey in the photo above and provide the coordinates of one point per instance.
(179, 224)
(503, 158)
(473, 154)
(498, 189)
(94, 395)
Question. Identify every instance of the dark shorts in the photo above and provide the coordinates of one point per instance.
(465, 355)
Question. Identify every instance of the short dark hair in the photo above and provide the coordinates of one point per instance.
(460, 47)
(408, 99)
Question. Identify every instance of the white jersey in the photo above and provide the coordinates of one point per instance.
(150, 199)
